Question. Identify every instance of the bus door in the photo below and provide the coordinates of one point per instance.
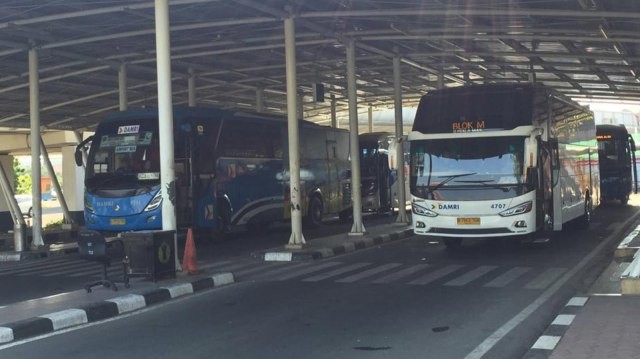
(183, 181)
(632, 149)
(202, 187)
(384, 181)
(333, 179)
(544, 197)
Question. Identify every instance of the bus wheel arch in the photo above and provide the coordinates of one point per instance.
(224, 212)
(315, 210)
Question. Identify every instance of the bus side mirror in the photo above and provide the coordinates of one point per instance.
(78, 158)
(79, 148)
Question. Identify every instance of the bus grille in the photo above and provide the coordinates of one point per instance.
(470, 231)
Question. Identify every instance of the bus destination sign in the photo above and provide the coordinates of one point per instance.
(468, 126)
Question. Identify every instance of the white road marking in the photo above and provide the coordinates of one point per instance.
(546, 278)
(336, 272)
(401, 274)
(437, 274)
(509, 276)
(546, 342)
(368, 273)
(470, 276)
(299, 273)
(564, 319)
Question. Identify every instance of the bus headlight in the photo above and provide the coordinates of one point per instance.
(519, 209)
(88, 205)
(156, 201)
(423, 211)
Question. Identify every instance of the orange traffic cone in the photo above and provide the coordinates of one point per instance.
(189, 261)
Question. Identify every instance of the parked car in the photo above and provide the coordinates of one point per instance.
(25, 204)
(49, 196)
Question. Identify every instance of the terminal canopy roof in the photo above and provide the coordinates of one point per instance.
(586, 49)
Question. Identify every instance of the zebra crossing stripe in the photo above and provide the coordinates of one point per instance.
(336, 272)
(437, 274)
(73, 268)
(504, 279)
(302, 272)
(401, 274)
(267, 275)
(546, 278)
(258, 268)
(368, 273)
(470, 276)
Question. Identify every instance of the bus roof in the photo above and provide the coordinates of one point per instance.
(486, 107)
(180, 113)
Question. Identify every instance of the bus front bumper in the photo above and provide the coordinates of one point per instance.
(474, 226)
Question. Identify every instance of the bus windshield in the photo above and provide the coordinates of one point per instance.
(494, 163)
(613, 154)
(124, 151)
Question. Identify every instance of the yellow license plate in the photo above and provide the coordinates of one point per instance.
(118, 221)
(466, 220)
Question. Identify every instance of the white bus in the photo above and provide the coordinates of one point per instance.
(501, 160)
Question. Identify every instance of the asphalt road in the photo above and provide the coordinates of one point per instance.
(407, 299)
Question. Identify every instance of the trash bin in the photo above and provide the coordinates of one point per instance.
(149, 254)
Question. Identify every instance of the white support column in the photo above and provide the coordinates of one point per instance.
(56, 184)
(356, 183)
(192, 88)
(260, 100)
(440, 80)
(34, 109)
(122, 87)
(370, 118)
(296, 240)
(334, 118)
(397, 92)
(73, 185)
(165, 119)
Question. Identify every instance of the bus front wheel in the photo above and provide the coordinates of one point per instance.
(314, 214)
(585, 220)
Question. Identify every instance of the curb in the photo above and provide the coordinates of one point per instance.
(109, 308)
(547, 342)
(627, 249)
(353, 245)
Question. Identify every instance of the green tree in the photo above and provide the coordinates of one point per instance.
(21, 179)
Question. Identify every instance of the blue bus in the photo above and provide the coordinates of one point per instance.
(231, 169)
(617, 160)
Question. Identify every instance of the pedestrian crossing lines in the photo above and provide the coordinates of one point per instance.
(448, 275)
(65, 266)
(414, 275)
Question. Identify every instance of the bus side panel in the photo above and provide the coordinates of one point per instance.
(578, 171)
(254, 187)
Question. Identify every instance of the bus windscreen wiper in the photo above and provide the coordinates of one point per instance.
(486, 183)
(448, 179)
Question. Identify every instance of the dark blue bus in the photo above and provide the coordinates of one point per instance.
(231, 169)
(617, 159)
